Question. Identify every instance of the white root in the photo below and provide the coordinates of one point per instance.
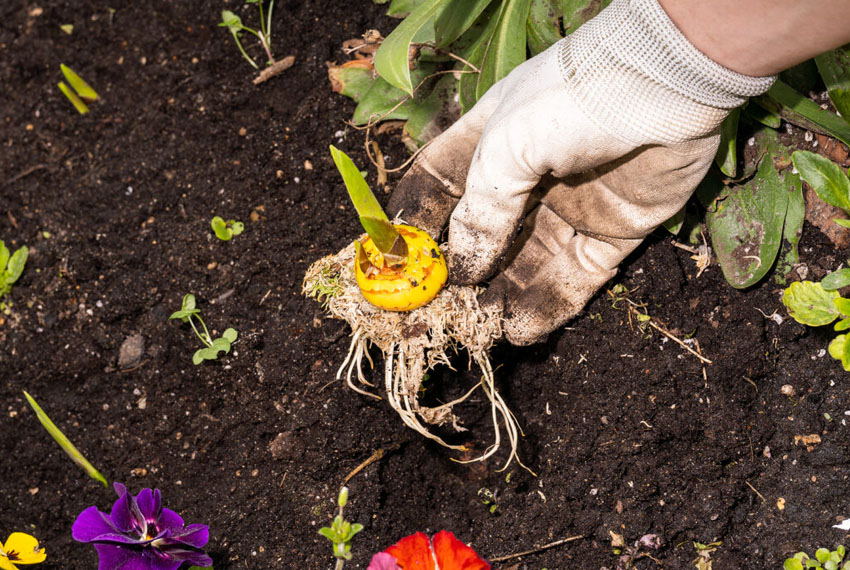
(412, 343)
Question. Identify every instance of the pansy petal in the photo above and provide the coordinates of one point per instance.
(91, 524)
(25, 547)
(181, 553)
(122, 512)
(146, 505)
(196, 535)
(114, 557)
(413, 552)
(383, 561)
(170, 520)
(454, 554)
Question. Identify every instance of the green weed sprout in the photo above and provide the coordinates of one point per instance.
(341, 532)
(11, 267)
(65, 443)
(79, 93)
(824, 558)
(234, 23)
(224, 230)
(188, 313)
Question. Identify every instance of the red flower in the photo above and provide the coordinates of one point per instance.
(416, 552)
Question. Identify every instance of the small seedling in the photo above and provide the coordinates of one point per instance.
(64, 442)
(341, 532)
(819, 304)
(234, 23)
(488, 498)
(224, 230)
(824, 558)
(703, 561)
(79, 93)
(188, 313)
(11, 267)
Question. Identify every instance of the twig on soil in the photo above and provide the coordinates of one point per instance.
(276, 68)
(538, 549)
(379, 160)
(756, 491)
(24, 174)
(370, 460)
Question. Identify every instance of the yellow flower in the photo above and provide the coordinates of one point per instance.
(20, 548)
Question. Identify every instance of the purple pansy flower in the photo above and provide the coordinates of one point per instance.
(141, 535)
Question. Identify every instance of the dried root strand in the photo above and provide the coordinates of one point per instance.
(412, 343)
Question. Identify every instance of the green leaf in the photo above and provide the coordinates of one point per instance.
(506, 48)
(220, 228)
(841, 551)
(199, 356)
(236, 227)
(220, 344)
(476, 41)
(372, 216)
(200, 568)
(401, 8)
(67, 28)
(230, 334)
(455, 19)
(830, 564)
(727, 155)
(842, 222)
(674, 224)
(328, 533)
(188, 302)
(392, 58)
(763, 116)
(438, 109)
(351, 81)
(384, 102)
(810, 304)
(231, 21)
(843, 306)
(834, 68)
(826, 177)
(795, 215)
(792, 564)
(4, 256)
(842, 325)
(822, 554)
(803, 112)
(16, 265)
(64, 442)
(78, 104)
(746, 228)
(836, 279)
(78, 84)
(543, 27)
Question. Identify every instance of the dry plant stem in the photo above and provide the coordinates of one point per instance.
(538, 549)
(275, 68)
(414, 342)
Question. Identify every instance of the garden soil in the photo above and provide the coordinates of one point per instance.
(627, 432)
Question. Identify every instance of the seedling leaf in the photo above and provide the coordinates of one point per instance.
(199, 356)
(392, 58)
(4, 256)
(16, 264)
(842, 222)
(231, 21)
(78, 104)
(220, 228)
(826, 177)
(236, 227)
(188, 302)
(836, 280)
(230, 334)
(78, 84)
(64, 442)
(792, 564)
(810, 304)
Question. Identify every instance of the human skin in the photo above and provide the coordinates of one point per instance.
(761, 37)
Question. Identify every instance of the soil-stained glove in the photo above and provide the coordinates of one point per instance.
(615, 125)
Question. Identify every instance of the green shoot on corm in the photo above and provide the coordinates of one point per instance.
(224, 230)
(188, 314)
(65, 443)
(234, 23)
(341, 532)
(11, 267)
(79, 93)
(824, 558)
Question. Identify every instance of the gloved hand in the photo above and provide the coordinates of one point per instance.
(614, 125)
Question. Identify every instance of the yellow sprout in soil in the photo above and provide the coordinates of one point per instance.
(408, 286)
(414, 342)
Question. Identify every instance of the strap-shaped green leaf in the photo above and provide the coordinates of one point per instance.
(372, 217)
(79, 85)
(834, 68)
(78, 104)
(727, 155)
(826, 177)
(506, 49)
(456, 18)
(392, 58)
(4, 256)
(544, 25)
(783, 100)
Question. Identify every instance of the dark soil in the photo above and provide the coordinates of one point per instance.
(626, 431)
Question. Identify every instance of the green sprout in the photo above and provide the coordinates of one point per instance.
(234, 23)
(341, 532)
(65, 443)
(824, 558)
(188, 313)
(11, 267)
(224, 230)
(79, 93)
(488, 498)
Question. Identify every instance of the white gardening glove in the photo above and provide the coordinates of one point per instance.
(615, 125)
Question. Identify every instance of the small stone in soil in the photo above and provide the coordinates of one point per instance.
(131, 351)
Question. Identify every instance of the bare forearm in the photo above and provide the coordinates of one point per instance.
(761, 37)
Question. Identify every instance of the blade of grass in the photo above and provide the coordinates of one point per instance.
(79, 85)
(78, 104)
(783, 100)
(65, 443)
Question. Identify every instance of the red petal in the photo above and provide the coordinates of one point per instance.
(452, 554)
(413, 552)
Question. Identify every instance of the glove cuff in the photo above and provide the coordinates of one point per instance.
(640, 79)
